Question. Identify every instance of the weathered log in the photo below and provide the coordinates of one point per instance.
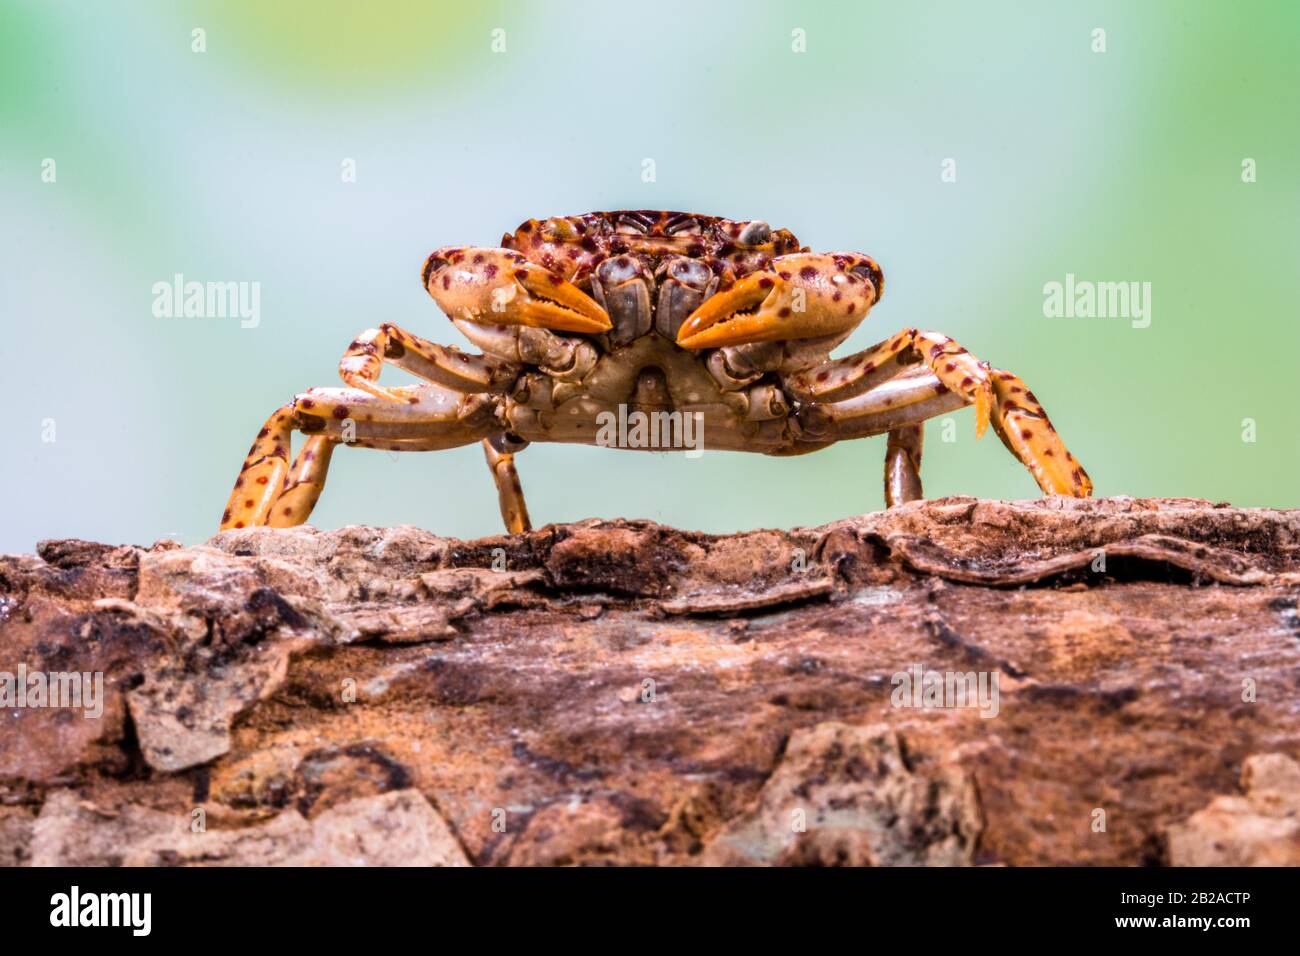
(623, 692)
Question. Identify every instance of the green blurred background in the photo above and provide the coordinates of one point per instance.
(225, 165)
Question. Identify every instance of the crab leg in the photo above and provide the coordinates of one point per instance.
(1017, 417)
(514, 511)
(906, 400)
(304, 484)
(425, 417)
(856, 374)
(440, 364)
(903, 465)
(263, 476)
(1024, 428)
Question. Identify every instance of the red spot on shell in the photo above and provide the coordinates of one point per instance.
(341, 411)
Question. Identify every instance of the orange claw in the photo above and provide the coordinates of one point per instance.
(798, 296)
(496, 286)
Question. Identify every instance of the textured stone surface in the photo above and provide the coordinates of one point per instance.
(622, 692)
(1261, 828)
(394, 829)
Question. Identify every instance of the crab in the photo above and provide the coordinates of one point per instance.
(580, 318)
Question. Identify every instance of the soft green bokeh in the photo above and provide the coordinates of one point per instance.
(225, 165)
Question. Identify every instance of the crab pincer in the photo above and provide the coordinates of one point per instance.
(497, 286)
(804, 295)
(798, 296)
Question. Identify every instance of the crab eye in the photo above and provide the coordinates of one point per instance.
(683, 224)
(432, 265)
(618, 269)
(558, 229)
(866, 269)
(690, 272)
(637, 223)
(754, 234)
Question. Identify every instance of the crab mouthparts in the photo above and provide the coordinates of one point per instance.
(730, 317)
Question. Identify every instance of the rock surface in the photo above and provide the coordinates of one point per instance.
(953, 682)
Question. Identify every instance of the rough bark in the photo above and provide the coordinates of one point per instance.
(623, 692)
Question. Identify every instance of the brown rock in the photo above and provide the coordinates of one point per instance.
(396, 829)
(623, 692)
(1261, 828)
(843, 795)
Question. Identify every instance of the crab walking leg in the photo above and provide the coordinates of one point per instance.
(1016, 415)
(1025, 429)
(514, 511)
(425, 418)
(906, 400)
(263, 476)
(903, 465)
(852, 376)
(305, 483)
(913, 397)
(440, 364)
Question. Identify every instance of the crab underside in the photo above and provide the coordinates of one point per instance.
(644, 330)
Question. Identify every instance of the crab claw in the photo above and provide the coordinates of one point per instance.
(799, 296)
(499, 287)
